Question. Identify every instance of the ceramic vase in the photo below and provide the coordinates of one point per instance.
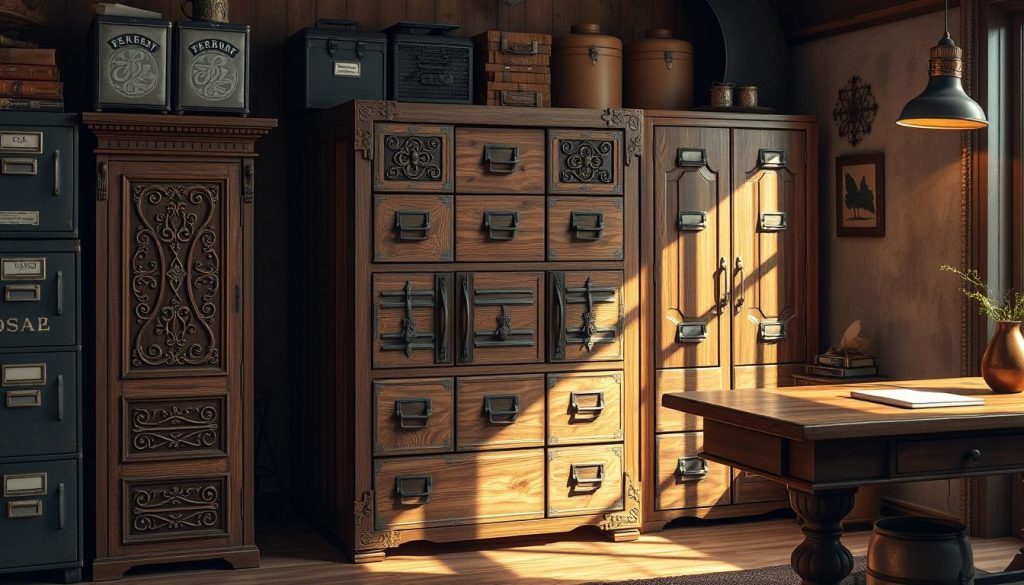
(1002, 366)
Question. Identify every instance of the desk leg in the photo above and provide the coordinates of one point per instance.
(821, 559)
(1017, 564)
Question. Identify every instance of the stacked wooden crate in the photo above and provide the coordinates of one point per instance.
(513, 69)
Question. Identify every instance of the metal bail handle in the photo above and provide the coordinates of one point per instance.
(691, 468)
(501, 159)
(408, 419)
(592, 482)
(406, 227)
(505, 232)
(583, 231)
(498, 416)
(426, 487)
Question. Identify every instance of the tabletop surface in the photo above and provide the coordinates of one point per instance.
(828, 412)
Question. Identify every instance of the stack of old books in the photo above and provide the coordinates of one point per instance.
(843, 364)
(513, 69)
(29, 79)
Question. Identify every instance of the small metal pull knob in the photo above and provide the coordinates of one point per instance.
(974, 455)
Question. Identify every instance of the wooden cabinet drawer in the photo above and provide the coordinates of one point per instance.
(585, 161)
(447, 490)
(411, 319)
(586, 316)
(584, 228)
(500, 412)
(413, 416)
(670, 420)
(584, 408)
(501, 317)
(413, 158)
(412, 228)
(499, 228)
(684, 479)
(940, 456)
(750, 488)
(499, 160)
(584, 480)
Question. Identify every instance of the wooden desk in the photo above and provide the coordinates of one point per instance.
(824, 445)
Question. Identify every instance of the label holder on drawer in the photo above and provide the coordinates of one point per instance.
(24, 484)
(22, 293)
(23, 374)
(21, 142)
(23, 398)
(23, 269)
(28, 167)
(24, 509)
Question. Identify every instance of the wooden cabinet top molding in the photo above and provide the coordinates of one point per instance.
(157, 133)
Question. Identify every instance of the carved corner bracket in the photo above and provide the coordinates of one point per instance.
(248, 180)
(633, 122)
(630, 516)
(368, 112)
(366, 536)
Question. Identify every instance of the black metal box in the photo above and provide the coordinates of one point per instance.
(427, 65)
(40, 293)
(131, 63)
(39, 515)
(211, 65)
(38, 175)
(334, 63)
(39, 402)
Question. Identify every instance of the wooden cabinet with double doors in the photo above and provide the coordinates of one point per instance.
(467, 337)
(730, 300)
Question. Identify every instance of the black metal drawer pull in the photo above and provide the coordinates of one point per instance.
(60, 397)
(501, 416)
(501, 225)
(974, 455)
(23, 398)
(412, 225)
(501, 159)
(692, 221)
(22, 293)
(587, 225)
(414, 486)
(695, 331)
(594, 482)
(691, 157)
(531, 48)
(60, 293)
(61, 507)
(24, 509)
(773, 331)
(771, 159)
(56, 173)
(691, 468)
(413, 413)
(595, 411)
(19, 166)
(774, 221)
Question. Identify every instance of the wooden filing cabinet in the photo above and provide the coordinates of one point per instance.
(730, 234)
(174, 202)
(468, 338)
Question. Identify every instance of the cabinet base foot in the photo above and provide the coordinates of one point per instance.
(623, 534)
(73, 575)
(113, 568)
(360, 557)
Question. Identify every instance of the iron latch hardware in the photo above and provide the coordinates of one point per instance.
(692, 221)
(587, 225)
(501, 159)
(501, 409)
(500, 230)
(691, 468)
(412, 225)
(413, 413)
(414, 486)
(695, 331)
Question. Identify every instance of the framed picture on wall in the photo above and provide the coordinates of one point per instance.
(860, 195)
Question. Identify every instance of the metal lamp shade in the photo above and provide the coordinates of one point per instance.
(944, 105)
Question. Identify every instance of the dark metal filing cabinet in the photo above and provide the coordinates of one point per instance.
(38, 175)
(40, 346)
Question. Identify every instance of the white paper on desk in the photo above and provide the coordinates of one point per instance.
(907, 398)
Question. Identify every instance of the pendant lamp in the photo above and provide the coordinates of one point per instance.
(944, 105)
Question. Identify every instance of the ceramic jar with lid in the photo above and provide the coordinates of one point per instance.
(586, 69)
(659, 72)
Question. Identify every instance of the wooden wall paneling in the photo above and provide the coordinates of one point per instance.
(538, 16)
(663, 14)
(364, 12)
(390, 11)
(420, 10)
(512, 18)
(333, 8)
(480, 15)
(450, 11)
(564, 14)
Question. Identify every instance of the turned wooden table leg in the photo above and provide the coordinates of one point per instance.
(821, 559)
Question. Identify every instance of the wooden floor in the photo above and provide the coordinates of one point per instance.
(293, 554)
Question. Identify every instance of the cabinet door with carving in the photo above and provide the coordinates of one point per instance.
(175, 330)
(769, 264)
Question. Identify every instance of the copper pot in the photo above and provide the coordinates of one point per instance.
(659, 72)
(1002, 366)
(586, 69)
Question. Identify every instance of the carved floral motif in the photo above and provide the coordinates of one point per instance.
(178, 426)
(586, 161)
(412, 158)
(171, 509)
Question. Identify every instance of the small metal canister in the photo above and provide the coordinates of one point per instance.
(586, 69)
(212, 67)
(131, 63)
(721, 95)
(746, 96)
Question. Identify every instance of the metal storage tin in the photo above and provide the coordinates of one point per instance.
(38, 175)
(659, 72)
(427, 65)
(131, 63)
(211, 64)
(586, 69)
(40, 293)
(330, 66)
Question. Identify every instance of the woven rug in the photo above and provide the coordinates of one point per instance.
(780, 575)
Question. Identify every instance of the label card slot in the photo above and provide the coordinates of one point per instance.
(25, 484)
(23, 398)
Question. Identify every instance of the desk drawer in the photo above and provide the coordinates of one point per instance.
(585, 228)
(584, 480)
(584, 407)
(957, 455)
(500, 412)
(499, 160)
(413, 416)
(499, 228)
(412, 228)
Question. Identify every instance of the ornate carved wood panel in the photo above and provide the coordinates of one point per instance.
(413, 158)
(175, 257)
(174, 428)
(165, 510)
(585, 161)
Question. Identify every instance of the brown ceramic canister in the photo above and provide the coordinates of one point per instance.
(659, 72)
(586, 69)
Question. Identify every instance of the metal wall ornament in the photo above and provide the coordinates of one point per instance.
(855, 110)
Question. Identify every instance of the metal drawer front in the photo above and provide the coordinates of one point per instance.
(38, 403)
(38, 195)
(41, 528)
(39, 305)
